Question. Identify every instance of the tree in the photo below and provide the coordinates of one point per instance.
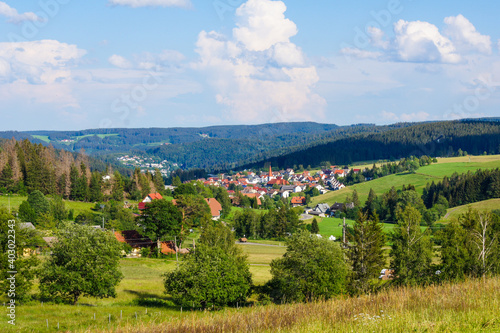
(355, 198)
(411, 252)
(6, 178)
(117, 189)
(314, 227)
(482, 242)
(95, 188)
(215, 274)
(38, 202)
(84, 262)
(160, 219)
(24, 266)
(366, 254)
(194, 208)
(311, 269)
(158, 181)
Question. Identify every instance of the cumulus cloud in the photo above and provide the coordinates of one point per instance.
(38, 62)
(13, 15)
(422, 42)
(258, 74)
(465, 36)
(119, 61)
(262, 24)
(151, 3)
(377, 38)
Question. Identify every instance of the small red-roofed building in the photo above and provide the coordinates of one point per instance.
(215, 208)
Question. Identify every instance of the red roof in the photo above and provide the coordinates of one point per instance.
(155, 196)
(298, 200)
(215, 206)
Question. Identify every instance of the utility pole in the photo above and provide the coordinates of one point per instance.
(176, 251)
(103, 223)
(158, 245)
(343, 232)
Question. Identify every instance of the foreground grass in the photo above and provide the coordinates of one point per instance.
(142, 306)
(472, 306)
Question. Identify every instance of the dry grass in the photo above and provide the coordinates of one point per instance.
(472, 306)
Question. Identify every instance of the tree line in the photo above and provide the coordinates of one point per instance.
(462, 189)
(26, 167)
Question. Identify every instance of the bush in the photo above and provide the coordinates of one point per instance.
(215, 274)
(311, 269)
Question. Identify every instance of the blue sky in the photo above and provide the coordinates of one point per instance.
(68, 64)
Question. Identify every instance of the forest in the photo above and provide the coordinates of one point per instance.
(433, 139)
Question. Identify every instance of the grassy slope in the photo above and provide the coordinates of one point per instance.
(434, 172)
(487, 205)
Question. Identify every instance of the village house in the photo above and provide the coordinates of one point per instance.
(215, 208)
(298, 201)
(150, 197)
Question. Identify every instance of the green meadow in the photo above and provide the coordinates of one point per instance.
(434, 172)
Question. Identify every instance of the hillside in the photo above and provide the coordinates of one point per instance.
(432, 139)
(485, 206)
(433, 172)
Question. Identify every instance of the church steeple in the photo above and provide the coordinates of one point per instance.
(270, 172)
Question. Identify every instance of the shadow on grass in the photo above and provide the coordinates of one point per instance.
(152, 300)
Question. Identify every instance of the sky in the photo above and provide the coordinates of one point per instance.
(71, 65)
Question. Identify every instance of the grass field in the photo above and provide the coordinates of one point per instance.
(483, 206)
(434, 172)
(471, 306)
(141, 286)
(333, 227)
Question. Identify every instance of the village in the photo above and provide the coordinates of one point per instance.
(284, 183)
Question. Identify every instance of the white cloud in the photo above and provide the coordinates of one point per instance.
(38, 62)
(465, 36)
(389, 116)
(416, 116)
(119, 61)
(262, 24)
(166, 58)
(405, 117)
(419, 41)
(258, 74)
(151, 3)
(377, 38)
(13, 15)
(147, 60)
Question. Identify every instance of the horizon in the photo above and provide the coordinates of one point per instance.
(260, 124)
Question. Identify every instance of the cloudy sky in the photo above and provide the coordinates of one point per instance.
(68, 64)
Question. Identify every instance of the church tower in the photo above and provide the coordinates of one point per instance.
(270, 172)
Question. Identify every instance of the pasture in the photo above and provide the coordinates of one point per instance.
(434, 172)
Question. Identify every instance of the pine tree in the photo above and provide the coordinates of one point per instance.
(411, 252)
(355, 198)
(95, 188)
(117, 189)
(366, 253)
(158, 181)
(6, 178)
(314, 227)
(73, 179)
